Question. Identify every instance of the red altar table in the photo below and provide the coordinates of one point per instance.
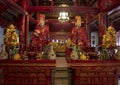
(29, 72)
(95, 72)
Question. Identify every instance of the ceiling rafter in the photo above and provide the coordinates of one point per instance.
(2, 7)
(7, 16)
(91, 2)
(56, 8)
(12, 5)
(12, 12)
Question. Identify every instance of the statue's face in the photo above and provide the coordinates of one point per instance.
(42, 22)
(78, 21)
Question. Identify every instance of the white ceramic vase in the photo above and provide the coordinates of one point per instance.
(3, 54)
(51, 54)
(74, 55)
(117, 55)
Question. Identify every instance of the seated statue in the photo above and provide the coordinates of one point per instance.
(41, 33)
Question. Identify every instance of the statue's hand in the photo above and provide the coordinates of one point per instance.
(36, 34)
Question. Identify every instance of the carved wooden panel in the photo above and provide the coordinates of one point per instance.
(26, 72)
(27, 75)
(95, 72)
(95, 76)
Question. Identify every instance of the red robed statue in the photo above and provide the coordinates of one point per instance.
(41, 33)
(79, 34)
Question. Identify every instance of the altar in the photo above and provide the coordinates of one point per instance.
(81, 37)
(95, 72)
(30, 72)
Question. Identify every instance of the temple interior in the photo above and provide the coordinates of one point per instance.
(59, 42)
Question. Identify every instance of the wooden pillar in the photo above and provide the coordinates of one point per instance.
(102, 21)
(75, 2)
(24, 27)
(52, 3)
(26, 23)
(87, 29)
(101, 4)
(26, 30)
(22, 34)
(37, 14)
(102, 26)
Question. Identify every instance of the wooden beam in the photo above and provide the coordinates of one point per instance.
(115, 1)
(11, 4)
(114, 5)
(93, 19)
(3, 7)
(101, 5)
(56, 8)
(91, 2)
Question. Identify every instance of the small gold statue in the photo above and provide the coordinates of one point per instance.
(11, 37)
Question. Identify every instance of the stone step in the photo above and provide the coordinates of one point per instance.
(61, 69)
(62, 84)
(61, 81)
(61, 75)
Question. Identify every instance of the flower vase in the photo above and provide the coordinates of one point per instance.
(3, 54)
(117, 55)
(52, 54)
(74, 55)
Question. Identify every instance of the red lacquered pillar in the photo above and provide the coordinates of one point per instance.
(87, 30)
(22, 34)
(102, 26)
(24, 26)
(101, 4)
(26, 30)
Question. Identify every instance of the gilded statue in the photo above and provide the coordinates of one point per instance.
(11, 36)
